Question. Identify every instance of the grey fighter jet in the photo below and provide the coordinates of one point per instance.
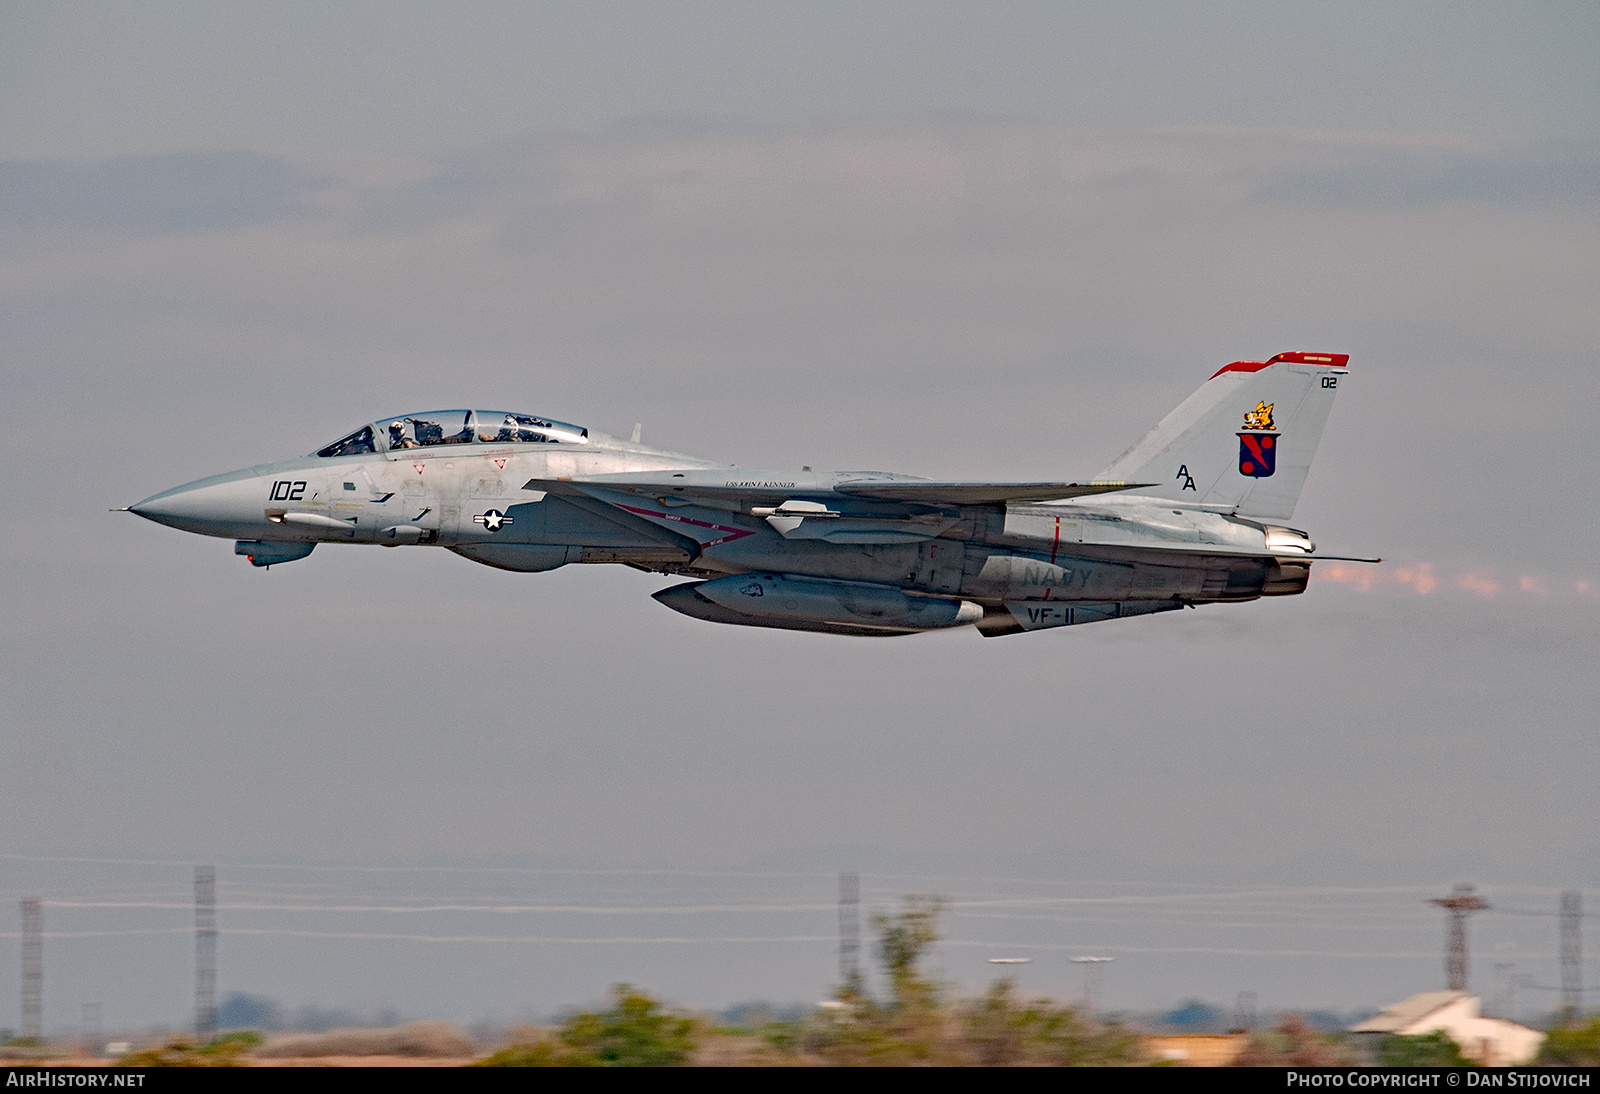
(1187, 516)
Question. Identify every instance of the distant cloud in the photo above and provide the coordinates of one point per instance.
(957, 278)
(1504, 173)
(154, 195)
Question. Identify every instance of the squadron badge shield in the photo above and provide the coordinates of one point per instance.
(1258, 451)
(1258, 454)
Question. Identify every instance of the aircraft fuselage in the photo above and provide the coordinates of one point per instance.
(843, 552)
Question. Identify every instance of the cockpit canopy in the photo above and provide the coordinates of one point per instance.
(435, 427)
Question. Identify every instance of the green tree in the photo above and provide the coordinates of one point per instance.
(904, 938)
(1577, 1047)
(634, 1032)
(541, 1053)
(907, 1029)
(224, 1051)
(1003, 1031)
(1434, 1049)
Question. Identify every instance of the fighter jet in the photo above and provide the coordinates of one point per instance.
(1187, 516)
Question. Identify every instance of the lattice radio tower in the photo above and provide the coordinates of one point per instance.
(32, 968)
(1460, 904)
(1571, 954)
(1093, 979)
(205, 953)
(850, 932)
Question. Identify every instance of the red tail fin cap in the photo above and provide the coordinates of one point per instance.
(1332, 360)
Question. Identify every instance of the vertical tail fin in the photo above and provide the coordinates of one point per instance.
(1245, 439)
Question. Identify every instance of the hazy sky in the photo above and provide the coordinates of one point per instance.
(88, 79)
(967, 241)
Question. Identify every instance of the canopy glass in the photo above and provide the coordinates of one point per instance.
(437, 427)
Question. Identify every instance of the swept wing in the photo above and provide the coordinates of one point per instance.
(760, 489)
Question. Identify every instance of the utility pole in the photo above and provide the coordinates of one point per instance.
(32, 969)
(1093, 979)
(1505, 996)
(205, 953)
(92, 1043)
(850, 932)
(1461, 903)
(1571, 955)
(1246, 1018)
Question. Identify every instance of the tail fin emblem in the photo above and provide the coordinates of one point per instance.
(1258, 454)
(1260, 417)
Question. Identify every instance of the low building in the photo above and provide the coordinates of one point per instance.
(1196, 1049)
(1492, 1042)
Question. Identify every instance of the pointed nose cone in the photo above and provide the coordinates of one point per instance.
(225, 505)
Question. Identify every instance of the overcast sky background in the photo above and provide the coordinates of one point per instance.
(958, 240)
